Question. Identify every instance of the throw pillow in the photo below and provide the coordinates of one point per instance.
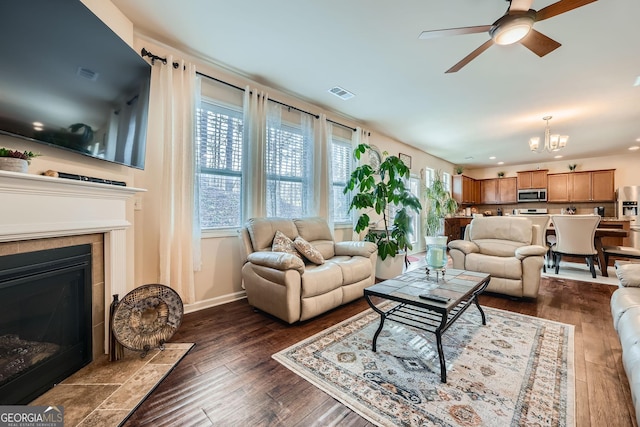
(309, 252)
(281, 243)
(629, 275)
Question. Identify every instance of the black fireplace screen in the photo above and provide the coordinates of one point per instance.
(45, 320)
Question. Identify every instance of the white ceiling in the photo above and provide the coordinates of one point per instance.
(371, 48)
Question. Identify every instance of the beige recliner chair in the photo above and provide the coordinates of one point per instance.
(508, 248)
(294, 288)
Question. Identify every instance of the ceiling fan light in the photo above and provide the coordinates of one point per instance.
(511, 35)
(511, 29)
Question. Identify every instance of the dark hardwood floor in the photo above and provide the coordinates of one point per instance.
(230, 379)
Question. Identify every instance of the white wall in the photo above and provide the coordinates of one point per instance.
(220, 279)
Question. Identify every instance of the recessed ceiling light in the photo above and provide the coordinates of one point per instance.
(557, 157)
(38, 124)
(492, 158)
(501, 163)
(635, 147)
(469, 158)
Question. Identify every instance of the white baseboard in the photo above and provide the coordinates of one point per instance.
(212, 302)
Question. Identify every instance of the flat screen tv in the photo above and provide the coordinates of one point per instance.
(69, 81)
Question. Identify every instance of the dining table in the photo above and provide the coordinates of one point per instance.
(597, 240)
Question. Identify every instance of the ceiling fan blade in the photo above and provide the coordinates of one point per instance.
(560, 7)
(538, 43)
(486, 45)
(454, 31)
(520, 5)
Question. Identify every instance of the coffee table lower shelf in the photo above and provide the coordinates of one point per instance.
(433, 319)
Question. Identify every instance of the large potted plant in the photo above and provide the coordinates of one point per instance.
(440, 204)
(383, 190)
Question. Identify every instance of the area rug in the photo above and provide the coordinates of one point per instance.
(105, 394)
(580, 271)
(517, 370)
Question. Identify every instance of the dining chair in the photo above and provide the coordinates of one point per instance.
(542, 221)
(575, 236)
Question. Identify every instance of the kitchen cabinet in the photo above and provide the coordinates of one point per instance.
(489, 191)
(454, 227)
(507, 190)
(558, 187)
(588, 186)
(580, 186)
(532, 179)
(499, 190)
(464, 190)
(603, 185)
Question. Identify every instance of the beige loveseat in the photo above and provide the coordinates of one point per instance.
(508, 248)
(295, 289)
(625, 310)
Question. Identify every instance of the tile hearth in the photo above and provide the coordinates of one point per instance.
(103, 393)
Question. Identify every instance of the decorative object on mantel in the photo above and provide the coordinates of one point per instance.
(50, 173)
(500, 174)
(553, 142)
(572, 167)
(14, 160)
(147, 317)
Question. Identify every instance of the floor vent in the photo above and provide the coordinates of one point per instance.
(341, 93)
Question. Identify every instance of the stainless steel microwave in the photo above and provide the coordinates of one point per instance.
(532, 195)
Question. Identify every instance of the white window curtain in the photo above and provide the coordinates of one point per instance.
(322, 171)
(179, 246)
(254, 186)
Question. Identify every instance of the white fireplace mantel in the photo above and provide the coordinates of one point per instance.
(37, 207)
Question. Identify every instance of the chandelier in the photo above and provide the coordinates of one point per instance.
(553, 142)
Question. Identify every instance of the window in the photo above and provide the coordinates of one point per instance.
(446, 180)
(414, 186)
(288, 163)
(428, 176)
(219, 136)
(341, 171)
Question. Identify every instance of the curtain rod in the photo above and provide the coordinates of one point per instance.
(153, 57)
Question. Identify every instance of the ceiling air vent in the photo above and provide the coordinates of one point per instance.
(341, 93)
(87, 74)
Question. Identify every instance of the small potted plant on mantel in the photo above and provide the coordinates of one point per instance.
(14, 160)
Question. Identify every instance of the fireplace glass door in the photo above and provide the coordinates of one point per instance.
(45, 320)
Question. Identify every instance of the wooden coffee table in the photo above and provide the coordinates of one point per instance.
(460, 287)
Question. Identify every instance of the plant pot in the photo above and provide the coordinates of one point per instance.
(13, 165)
(391, 266)
(436, 252)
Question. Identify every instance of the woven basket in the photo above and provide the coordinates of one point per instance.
(147, 317)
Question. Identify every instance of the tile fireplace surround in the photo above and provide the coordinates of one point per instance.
(40, 212)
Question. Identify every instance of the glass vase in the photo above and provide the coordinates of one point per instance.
(436, 252)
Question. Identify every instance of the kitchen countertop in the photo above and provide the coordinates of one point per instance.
(606, 218)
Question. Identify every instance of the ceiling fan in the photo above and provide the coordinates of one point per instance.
(515, 26)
